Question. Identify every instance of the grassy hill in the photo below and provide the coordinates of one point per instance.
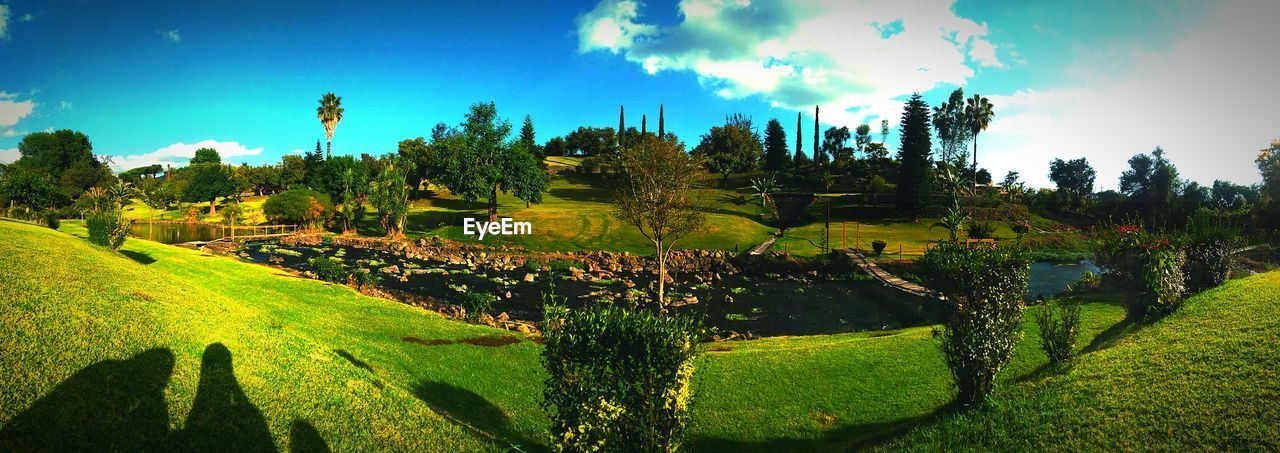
(159, 344)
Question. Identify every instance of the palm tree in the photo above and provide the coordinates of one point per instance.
(329, 113)
(978, 111)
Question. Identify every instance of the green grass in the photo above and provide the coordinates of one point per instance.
(304, 357)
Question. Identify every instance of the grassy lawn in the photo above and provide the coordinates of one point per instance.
(160, 343)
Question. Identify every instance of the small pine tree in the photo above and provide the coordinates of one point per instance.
(914, 153)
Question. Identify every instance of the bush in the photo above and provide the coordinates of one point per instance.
(1021, 229)
(328, 269)
(982, 230)
(878, 246)
(51, 218)
(1149, 263)
(364, 277)
(477, 303)
(560, 265)
(618, 380)
(107, 228)
(982, 311)
(1059, 326)
(299, 206)
(1208, 263)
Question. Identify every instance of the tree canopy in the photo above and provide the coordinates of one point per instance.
(478, 162)
(914, 154)
(776, 155)
(731, 148)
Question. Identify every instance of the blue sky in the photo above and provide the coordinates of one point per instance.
(150, 81)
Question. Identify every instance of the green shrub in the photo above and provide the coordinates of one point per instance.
(364, 277)
(51, 218)
(1059, 326)
(618, 380)
(982, 230)
(561, 265)
(1208, 263)
(299, 206)
(328, 269)
(1150, 264)
(107, 228)
(477, 303)
(878, 246)
(982, 311)
(1021, 229)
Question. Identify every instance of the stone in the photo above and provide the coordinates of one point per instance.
(528, 278)
(728, 299)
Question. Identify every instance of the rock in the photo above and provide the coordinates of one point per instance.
(503, 317)
(507, 295)
(528, 278)
(628, 283)
(728, 299)
(392, 269)
(487, 320)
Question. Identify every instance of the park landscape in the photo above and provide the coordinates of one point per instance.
(754, 286)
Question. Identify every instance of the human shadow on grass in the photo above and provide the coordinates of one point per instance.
(112, 405)
(472, 411)
(119, 405)
(844, 438)
(141, 258)
(304, 438)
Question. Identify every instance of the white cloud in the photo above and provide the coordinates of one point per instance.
(173, 36)
(297, 151)
(64, 105)
(1209, 101)
(4, 22)
(8, 156)
(179, 154)
(13, 110)
(857, 59)
(26, 18)
(11, 132)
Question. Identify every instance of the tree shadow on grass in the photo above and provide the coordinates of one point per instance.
(844, 438)
(471, 410)
(112, 405)
(141, 258)
(1108, 338)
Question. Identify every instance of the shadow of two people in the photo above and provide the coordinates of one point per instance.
(119, 405)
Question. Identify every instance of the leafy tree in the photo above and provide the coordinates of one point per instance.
(835, 143)
(206, 156)
(208, 182)
(1151, 183)
(914, 154)
(876, 150)
(1012, 185)
(862, 138)
(978, 112)
(731, 148)
(423, 157)
(592, 141)
(390, 195)
(776, 155)
(1074, 179)
(293, 171)
(262, 179)
(983, 176)
(1228, 195)
(64, 155)
(478, 162)
(528, 175)
(157, 195)
(355, 190)
(952, 125)
(136, 174)
(557, 146)
(330, 114)
(1268, 162)
(301, 206)
(33, 190)
(658, 196)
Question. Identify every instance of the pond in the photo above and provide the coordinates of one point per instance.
(762, 305)
(1049, 279)
(176, 233)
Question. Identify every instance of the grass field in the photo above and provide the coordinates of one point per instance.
(160, 344)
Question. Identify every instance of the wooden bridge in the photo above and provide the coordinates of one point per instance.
(887, 278)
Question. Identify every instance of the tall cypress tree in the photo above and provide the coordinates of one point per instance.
(914, 153)
(799, 139)
(622, 123)
(818, 156)
(662, 123)
(644, 124)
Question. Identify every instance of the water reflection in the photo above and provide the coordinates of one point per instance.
(176, 233)
(1048, 279)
